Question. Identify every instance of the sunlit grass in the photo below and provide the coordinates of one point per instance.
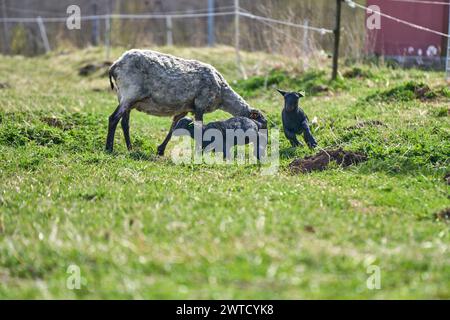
(139, 226)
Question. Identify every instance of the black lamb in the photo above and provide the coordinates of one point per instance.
(295, 121)
(233, 131)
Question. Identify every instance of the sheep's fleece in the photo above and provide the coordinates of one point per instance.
(165, 85)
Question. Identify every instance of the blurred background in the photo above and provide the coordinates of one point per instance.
(22, 34)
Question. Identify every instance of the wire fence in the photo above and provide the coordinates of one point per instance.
(166, 28)
(193, 28)
(409, 24)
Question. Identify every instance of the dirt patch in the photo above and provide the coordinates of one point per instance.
(447, 178)
(100, 89)
(423, 92)
(57, 123)
(320, 161)
(443, 215)
(363, 124)
(319, 88)
(407, 92)
(309, 229)
(90, 68)
(357, 73)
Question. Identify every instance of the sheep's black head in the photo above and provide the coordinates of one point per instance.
(291, 99)
(257, 116)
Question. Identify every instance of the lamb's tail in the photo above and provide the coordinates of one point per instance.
(112, 76)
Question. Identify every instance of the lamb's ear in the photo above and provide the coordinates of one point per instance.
(283, 93)
(301, 94)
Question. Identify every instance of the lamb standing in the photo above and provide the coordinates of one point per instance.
(295, 121)
(164, 85)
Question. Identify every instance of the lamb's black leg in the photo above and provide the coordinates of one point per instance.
(261, 146)
(198, 116)
(112, 125)
(126, 128)
(256, 151)
(307, 135)
(198, 124)
(162, 146)
(227, 153)
(292, 138)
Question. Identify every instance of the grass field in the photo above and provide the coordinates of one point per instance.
(140, 226)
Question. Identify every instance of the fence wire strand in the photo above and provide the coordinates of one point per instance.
(410, 24)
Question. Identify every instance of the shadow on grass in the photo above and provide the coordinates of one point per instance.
(139, 155)
(289, 153)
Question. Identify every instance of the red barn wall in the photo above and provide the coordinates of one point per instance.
(396, 39)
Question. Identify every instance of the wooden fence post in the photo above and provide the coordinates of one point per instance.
(337, 34)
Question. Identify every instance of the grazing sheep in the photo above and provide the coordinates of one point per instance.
(234, 131)
(295, 121)
(164, 85)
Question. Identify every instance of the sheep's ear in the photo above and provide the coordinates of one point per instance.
(301, 94)
(283, 93)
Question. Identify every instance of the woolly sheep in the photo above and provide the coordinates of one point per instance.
(164, 85)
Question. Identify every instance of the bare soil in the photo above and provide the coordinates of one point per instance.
(368, 123)
(447, 178)
(57, 123)
(320, 161)
(443, 215)
(90, 68)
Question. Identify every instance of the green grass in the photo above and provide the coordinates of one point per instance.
(140, 226)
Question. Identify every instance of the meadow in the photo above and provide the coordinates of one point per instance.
(140, 226)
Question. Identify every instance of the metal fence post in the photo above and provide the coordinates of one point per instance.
(5, 29)
(211, 30)
(43, 32)
(169, 32)
(447, 60)
(305, 37)
(236, 39)
(95, 27)
(108, 36)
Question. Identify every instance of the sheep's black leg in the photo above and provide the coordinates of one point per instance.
(162, 146)
(307, 135)
(292, 138)
(112, 125)
(126, 128)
